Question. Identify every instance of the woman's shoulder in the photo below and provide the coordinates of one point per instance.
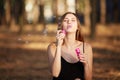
(51, 49)
(87, 46)
(52, 45)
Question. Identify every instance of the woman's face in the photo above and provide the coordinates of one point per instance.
(70, 23)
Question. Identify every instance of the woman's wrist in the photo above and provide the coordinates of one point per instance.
(59, 46)
(86, 64)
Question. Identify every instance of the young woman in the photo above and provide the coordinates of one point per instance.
(70, 57)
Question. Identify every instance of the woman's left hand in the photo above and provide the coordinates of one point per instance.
(83, 58)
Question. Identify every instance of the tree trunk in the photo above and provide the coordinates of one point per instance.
(87, 13)
(7, 13)
(55, 7)
(103, 11)
(41, 12)
(93, 18)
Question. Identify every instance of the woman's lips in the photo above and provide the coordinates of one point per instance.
(69, 26)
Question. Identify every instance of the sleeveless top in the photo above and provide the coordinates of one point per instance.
(71, 71)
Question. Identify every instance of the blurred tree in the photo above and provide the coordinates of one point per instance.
(109, 11)
(17, 11)
(7, 13)
(42, 16)
(54, 8)
(116, 11)
(93, 18)
(103, 11)
(81, 11)
(41, 9)
(2, 11)
(37, 8)
(87, 13)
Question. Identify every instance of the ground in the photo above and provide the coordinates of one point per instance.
(24, 57)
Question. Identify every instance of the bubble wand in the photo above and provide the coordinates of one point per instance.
(63, 31)
(77, 50)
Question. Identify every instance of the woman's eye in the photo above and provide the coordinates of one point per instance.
(64, 20)
(73, 20)
(69, 20)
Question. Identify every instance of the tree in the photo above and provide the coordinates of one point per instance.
(93, 18)
(87, 13)
(103, 11)
(17, 11)
(2, 11)
(7, 13)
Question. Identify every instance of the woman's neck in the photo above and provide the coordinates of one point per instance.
(70, 40)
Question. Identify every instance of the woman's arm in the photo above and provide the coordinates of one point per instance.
(89, 62)
(54, 55)
(87, 59)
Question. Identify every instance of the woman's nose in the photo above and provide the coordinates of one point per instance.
(69, 21)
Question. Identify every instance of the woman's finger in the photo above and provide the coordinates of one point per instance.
(82, 58)
(58, 31)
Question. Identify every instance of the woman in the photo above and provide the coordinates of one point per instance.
(65, 64)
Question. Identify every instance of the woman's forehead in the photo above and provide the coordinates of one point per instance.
(70, 16)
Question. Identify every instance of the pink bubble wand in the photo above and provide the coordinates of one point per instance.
(63, 31)
(77, 50)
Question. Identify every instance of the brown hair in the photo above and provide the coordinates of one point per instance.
(79, 36)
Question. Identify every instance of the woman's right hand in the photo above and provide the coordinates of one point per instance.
(60, 36)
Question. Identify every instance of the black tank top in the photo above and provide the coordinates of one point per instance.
(70, 71)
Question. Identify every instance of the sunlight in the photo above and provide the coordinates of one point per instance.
(29, 7)
(71, 5)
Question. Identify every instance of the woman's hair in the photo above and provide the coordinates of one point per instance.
(79, 36)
